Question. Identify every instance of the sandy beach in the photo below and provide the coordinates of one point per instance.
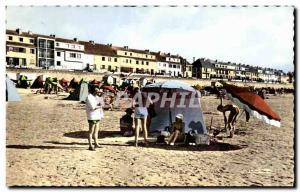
(46, 145)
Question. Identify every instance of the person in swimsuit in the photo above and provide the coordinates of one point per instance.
(233, 113)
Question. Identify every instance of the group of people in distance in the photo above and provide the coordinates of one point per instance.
(142, 116)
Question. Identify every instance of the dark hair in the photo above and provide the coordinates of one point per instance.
(92, 89)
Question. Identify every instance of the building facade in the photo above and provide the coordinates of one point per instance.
(45, 51)
(168, 64)
(69, 54)
(20, 49)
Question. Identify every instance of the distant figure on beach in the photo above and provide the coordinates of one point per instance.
(94, 113)
(126, 123)
(140, 114)
(231, 120)
(177, 129)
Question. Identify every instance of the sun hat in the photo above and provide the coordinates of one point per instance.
(179, 116)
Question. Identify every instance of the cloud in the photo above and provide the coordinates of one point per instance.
(256, 36)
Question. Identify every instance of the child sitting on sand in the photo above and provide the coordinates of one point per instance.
(126, 123)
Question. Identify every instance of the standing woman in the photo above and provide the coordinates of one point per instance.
(94, 115)
(140, 114)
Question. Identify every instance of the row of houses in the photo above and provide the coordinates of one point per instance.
(26, 49)
(30, 50)
(210, 69)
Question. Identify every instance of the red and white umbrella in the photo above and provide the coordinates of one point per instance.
(252, 103)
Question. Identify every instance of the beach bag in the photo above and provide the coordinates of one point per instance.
(190, 138)
(202, 139)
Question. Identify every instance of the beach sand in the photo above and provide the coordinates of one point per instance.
(46, 145)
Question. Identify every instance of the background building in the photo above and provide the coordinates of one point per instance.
(20, 49)
(69, 54)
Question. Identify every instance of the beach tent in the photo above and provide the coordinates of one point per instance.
(186, 101)
(80, 92)
(84, 91)
(11, 91)
(38, 83)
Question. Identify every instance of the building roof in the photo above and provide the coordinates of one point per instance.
(71, 50)
(27, 34)
(98, 49)
(205, 63)
(134, 50)
(66, 40)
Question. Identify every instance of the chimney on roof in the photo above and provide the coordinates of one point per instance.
(52, 35)
(126, 47)
(194, 59)
(92, 42)
(168, 54)
(19, 31)
(75, 39)
(147, 50)
(30, 32)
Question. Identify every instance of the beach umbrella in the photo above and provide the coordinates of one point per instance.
(95, 82)
(252, 103)
(11, 91)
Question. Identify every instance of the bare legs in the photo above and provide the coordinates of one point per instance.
(137, 123)
(173, 137)
(93, 134)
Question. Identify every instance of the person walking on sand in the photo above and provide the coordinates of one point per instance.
(94, 113)
(140, 114)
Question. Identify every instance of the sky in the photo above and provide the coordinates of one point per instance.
(257, 36)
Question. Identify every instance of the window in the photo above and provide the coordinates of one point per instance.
(137, 62)
(125, 53)
(22, 50)
(32, 51)
(174, 66)
(57, 44)
(31, 40)
(116, 60)
(109, 58)
(130, 54)
(73, 55)
(57, 63)
(103, 67)
(165, 65)
(129, 60)
(73, 46)
(10, 38)
(170, 65)
(58, 54)
(146, 56)
(126, 61)
(142, 62)
(178, 66)
(50, 44)
(103, 58)
(42, 43)
(147, 63)
(10, 49)
(21, 39)
(109, 68)
(79, 56)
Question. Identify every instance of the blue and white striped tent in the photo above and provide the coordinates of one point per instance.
(165, 115)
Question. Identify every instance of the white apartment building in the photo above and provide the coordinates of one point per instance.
(169, 64)
(69, 54)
